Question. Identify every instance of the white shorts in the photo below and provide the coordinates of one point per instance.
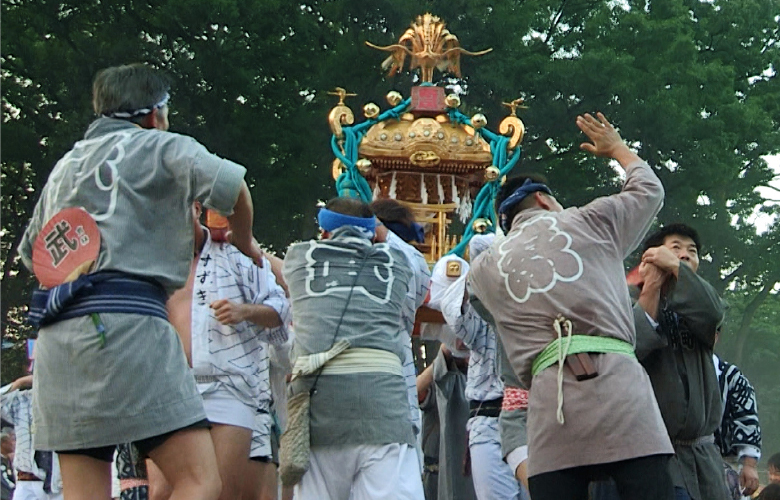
(223, 408)
(33, 490)
(362, 472)
(261, 436)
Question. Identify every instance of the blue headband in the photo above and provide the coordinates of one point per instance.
(330, 221)
(406, 233)
(519, 195)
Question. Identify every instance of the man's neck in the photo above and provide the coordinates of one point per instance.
(200, 242)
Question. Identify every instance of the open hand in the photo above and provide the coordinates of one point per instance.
(606, 140)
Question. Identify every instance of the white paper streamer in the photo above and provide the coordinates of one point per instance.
(464, 207)
(423, 190)
(440, 188)
(393, 184)
(455, 194)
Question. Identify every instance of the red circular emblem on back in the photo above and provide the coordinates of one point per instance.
(66, 247)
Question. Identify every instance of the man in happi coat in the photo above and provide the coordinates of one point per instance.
(110, 367)
(37, 472)
(739, 435)
(512, 420)
(442, 394)
(677, 319)
(399, 229)
(555, 287)
(347, 296)
(227, 314)
(493, 478)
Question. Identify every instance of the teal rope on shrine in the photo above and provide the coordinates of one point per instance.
(351, 182)
(483, 204)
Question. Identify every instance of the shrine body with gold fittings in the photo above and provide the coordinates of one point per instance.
(423, 151)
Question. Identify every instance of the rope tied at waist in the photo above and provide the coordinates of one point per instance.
(557, 351)
(343, 360)
(105, 291)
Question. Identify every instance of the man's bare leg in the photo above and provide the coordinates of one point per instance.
(232, 445)
(159, 489)
(189, 464)
(85, 478)
(260, 481)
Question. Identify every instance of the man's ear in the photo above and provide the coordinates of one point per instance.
(149, 121)
(541, 200)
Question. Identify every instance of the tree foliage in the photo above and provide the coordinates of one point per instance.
(692, 84)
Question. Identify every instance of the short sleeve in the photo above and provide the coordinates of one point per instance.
(216, 181)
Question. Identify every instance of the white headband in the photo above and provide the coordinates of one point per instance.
(139, 112)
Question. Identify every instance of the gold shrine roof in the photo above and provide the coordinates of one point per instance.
(425, 145)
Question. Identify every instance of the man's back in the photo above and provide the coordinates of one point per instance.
(570, 263)
(138, 185)
(345, 288)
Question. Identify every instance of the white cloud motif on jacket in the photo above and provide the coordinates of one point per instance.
(536, 257)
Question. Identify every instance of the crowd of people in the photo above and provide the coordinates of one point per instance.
(183, 362)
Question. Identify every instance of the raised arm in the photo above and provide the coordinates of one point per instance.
(698, 305)
(607, 143)
(625, 217)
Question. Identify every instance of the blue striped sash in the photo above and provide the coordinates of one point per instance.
(105, 291)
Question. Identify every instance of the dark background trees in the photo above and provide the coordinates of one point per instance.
(692, 84)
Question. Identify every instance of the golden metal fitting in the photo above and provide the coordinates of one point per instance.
(513, 127)
(452, 101)
(371, 110)
(364, 165)
(492, 173)
(478, 121)
(394, 98)
(480, 225)
(336, 169)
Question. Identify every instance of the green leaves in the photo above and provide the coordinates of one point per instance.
(692, 84)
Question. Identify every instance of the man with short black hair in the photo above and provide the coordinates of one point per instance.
(227, 315)
(110, 367)
(399, 229)
(773, 464)
(739, 434)
(677, 318)
(555, 287)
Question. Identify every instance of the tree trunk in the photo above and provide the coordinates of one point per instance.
(747, 318)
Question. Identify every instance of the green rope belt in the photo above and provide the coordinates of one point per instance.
(580, 343)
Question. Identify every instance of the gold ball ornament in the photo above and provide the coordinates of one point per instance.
(478, 121)
(371, 110)
(336, 169)
(452, 101)
(480, 225)
(364, 165)
(394, 98)
(492, 173)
